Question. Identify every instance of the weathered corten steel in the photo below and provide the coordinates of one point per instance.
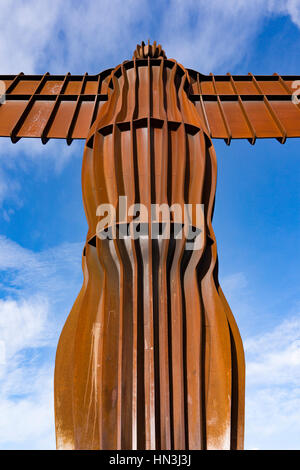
(232, 106)
(150, 356)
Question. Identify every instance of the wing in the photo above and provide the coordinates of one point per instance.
(51, 106)
(248, 106)
(232, 106)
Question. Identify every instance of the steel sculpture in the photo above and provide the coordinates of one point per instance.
(150, 356)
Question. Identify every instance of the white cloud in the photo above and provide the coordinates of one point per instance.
(286, 7)
(30, 155)
(56, 152)
(272, 387)
(275, 355)
(210, 36)
(54, 273)
(25, 30)
(26, 377)
(67, 34)
(272, 368)
(66, 37)
(23, 324)
(38, 290)
(26, 409)
(272, 418)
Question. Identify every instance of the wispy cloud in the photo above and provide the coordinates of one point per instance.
(212, 36)
(26, 408)
(71, 36)
(286, 7)
(273, 392)
(56, 270)
(23, 324)
(37, 291)
(272, 418)
(27, 156)
(275, 355)
(80, 36)
(272, 369)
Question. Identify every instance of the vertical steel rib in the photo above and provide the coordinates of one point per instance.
(157, 360)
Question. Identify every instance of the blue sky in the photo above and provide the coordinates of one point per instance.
(42, 222)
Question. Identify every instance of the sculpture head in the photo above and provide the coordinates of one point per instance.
(144, 51)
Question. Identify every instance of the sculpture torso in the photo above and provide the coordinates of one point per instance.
(150, 354)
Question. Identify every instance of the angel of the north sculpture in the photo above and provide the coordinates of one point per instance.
(150, 356)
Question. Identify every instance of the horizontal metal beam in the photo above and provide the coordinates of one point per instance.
(232, 106)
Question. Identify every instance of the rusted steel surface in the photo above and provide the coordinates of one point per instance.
(232, 106)
(150, 356)
(51, 106)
